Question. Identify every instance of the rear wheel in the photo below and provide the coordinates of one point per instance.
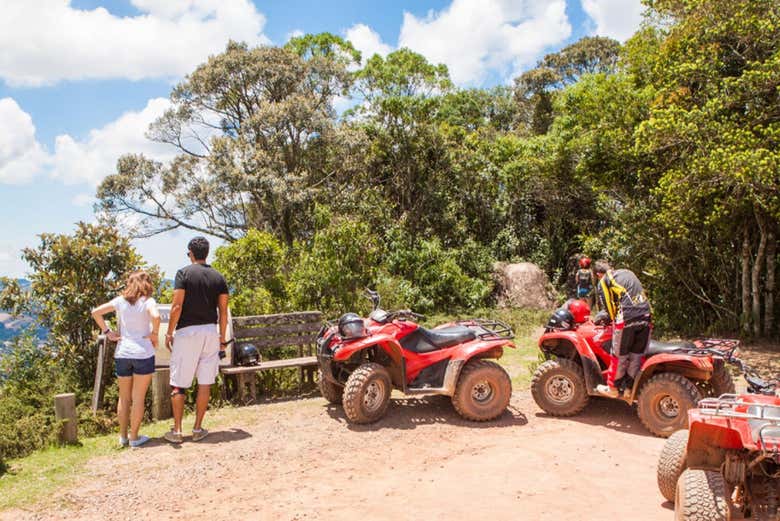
(483, 391)
(664, 402)
(701, 496)
(671, 463)
(721, 382)
(558, 387)
(330, 391)
(367, 393)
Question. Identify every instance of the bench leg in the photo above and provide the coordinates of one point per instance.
(253, 387)
(241, 388)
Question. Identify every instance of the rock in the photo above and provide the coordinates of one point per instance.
(522, 285)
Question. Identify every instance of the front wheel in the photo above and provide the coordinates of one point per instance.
(672, 463)
(701, 496)
(558, 387)
(367, 393)
(664, 402)
(330, 391)
(483, 391)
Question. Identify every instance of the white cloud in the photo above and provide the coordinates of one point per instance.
(21, 156)
(477, 37)
(295, 33)
(367, 41)
(618, 19)
(94, 158)
(46, 41)
(83, 199)
(89, 160)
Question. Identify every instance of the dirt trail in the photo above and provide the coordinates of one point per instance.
(301, 460)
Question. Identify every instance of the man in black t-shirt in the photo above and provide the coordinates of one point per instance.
(200, 301)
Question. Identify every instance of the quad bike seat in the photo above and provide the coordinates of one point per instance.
(772, 415)
(423, 340)
(656, 347)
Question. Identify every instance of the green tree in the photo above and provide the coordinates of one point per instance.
(713, 133)
(535, 89)
(254, 267)
(70, 275)
(251, 127)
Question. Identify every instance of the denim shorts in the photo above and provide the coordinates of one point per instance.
(131, 366)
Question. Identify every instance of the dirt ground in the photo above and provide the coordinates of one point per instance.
(301, 460)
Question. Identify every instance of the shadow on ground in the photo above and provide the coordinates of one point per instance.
(214, 438)
(604, 412)
(409, 413)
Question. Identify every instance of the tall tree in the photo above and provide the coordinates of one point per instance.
(535, 89)
(250, 126)
(713, 134)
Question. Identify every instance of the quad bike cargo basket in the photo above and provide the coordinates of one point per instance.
(762, 417)
(488, 329)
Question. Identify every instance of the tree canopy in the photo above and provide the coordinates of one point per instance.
(660, 154)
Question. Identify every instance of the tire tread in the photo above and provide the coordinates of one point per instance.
(537, 387)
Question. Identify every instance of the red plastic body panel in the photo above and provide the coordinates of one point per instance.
(726, 432)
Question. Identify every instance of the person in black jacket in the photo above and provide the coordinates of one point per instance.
(621, 294)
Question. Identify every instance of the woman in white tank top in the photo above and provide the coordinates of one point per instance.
(139, 323)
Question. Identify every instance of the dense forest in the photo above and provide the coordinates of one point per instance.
(660, 155)
(326, 171)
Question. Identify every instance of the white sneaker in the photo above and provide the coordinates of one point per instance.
(199, 434)
(140, 441)
(605, 390)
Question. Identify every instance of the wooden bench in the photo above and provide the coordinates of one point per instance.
(267, 332)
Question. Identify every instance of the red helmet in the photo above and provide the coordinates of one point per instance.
(580, 310)
(585, 262)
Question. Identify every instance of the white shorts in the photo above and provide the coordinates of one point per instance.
(195, 353)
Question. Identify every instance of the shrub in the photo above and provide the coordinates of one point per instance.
(424, 275)
(341, 261)
(254, 269)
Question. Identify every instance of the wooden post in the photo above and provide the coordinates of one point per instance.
(161, 394)
(97, 390)
(65, 410)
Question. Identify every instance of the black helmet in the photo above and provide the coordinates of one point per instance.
(247, 354)
(561, 320)
(351, 326)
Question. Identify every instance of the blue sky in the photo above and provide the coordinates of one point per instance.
(80, 80)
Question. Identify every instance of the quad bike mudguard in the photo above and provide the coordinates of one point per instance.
(568, 344)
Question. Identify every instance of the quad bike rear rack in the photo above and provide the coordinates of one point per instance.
(488, 329)
(724, 405)
(723, 347)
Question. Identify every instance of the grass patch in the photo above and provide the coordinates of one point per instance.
(36, 477)
(520, 363)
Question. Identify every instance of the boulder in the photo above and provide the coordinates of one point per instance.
(522, 285)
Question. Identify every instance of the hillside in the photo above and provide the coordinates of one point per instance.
(12, 326)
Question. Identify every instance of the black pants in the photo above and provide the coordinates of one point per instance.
(632, 340)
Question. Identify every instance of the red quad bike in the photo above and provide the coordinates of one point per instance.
(362, 360)
(728, 461)
(672, 380)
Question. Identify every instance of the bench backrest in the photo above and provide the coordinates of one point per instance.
(282, 330)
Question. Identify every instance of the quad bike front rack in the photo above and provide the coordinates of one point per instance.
(487, 328)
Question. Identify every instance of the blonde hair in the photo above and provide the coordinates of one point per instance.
(139, 284)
